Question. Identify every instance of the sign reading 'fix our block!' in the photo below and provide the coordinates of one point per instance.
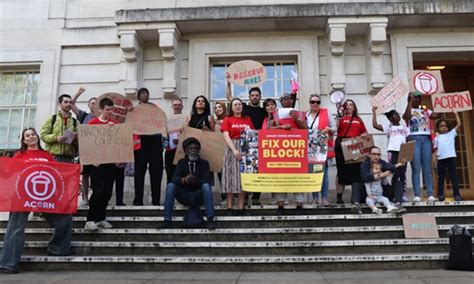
(458, 101)
(247, 73)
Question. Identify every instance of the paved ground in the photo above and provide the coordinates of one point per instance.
(376, 277)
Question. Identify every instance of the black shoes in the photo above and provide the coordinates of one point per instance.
(441, 197)
(167, 224)
(458, 198)
(4, 270)
(211, 225)
(356, 209)
(299, 210)
(280, 211)
(339, 201)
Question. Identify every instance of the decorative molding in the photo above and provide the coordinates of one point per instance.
(169, 45)
(132, 48)
(337, 40)
(376, 39)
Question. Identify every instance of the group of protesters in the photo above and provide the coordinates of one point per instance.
(191, 181)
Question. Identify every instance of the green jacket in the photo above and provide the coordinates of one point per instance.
(49, 134)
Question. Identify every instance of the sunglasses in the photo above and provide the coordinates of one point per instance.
(315, 102)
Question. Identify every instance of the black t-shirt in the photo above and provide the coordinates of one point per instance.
(256, 114)
(199, 120)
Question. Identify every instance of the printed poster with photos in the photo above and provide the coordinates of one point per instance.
(282, 160)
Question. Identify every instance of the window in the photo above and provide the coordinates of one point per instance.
(18, 96)
(278, 81)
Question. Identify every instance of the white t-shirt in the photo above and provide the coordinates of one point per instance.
(420, 122)
(445, 145)
(397, 135)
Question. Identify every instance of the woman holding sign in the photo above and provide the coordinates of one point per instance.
(231, 128)
(201, 117)
(60, 243)
(348, 126)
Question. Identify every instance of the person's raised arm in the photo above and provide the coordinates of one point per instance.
(458, 121)
(374, 120)
(74, 107)
(407, 114)
(228, 92)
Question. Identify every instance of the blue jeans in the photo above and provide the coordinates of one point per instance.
(188, 198)
(325, 185)
(59, 244)
(422, 161)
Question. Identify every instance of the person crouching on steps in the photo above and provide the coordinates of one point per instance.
(190, 184)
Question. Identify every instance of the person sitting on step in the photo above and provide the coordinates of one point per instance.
(375, 191)
(190, 184)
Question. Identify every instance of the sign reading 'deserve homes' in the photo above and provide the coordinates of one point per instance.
(37, 186)
(389, 94)
(458, 101)
(105, 144)
(147, 119)
(282, 160)
(425, 82)
(356, 149)
(121, 105)
(247, 73)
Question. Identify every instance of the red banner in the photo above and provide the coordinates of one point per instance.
(34, 186)
(283, 151)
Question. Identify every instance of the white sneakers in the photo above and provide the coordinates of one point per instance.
(416, 199)
(392, 210)
(93, 226)
(431, 198)
(377, 211)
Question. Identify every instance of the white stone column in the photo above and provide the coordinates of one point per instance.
(376, 39)
(132, 49)
(337, 40)
(169, 45)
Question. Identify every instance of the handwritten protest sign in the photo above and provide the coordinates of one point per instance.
(246, 73)
(425, 82)
(458, 101)
(104, 144)
(389, 94)
(407, 150)
(147, 119)
(212, 146)
(121, 105)
(420, 226)
(176, 121)
(356, 149)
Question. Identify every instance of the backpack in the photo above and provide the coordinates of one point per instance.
(53, 120)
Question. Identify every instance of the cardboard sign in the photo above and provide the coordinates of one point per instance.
(458, 101)
(105, 144)
(407, 150)
(389, 94)
(420, 226)
(356, 149)
(212, 147)
(121, 105)
(147, 119)
(425, 82)
(176, 122)
(247, 73)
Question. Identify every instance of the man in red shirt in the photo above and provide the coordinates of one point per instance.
(102, 177)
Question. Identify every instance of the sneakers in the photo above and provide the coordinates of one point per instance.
(356, 208)
(210, 224)
(441, 197)
(400, 209)
(339, 201)
(91, 226)
(458, 198)
(392, 210)
(377, 211)
(431, 198)
(104, 225)
(5, 270)
(84, 203)
(167, 224)
(416, 199)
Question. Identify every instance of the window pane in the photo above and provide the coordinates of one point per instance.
(3, 138)
(218, 73)
(6, 88)
(218, 90)
(14, 138)
(35, 87)
(19, 88)
(287, 68)
(270, 69)
(240, 92)
(268, 89)
(15, 118)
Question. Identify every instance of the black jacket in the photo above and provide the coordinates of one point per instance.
(200, 170)
(367, 175)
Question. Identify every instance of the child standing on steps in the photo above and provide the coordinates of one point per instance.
(446, 154)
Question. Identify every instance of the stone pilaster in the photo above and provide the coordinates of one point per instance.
(169, 45)
(337, 40)
(376, 39)
(132, 49)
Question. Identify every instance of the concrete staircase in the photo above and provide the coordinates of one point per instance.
(323, 239)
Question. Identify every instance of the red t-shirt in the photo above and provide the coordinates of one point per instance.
(34, 155)
(235, 125)
(355, 129)
(96, 120)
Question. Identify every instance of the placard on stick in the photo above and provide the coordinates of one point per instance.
(457, 101)
(425, 82)
(147, 119)
(420, 226)
(356, 149)
(388, 95)
(121, 105)
(407, 150)
(248, 73)
(105, 144)
(176, 122)
(212, 147)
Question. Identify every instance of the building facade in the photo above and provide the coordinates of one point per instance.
(181, 48)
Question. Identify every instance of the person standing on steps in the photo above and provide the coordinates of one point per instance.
(177, 106)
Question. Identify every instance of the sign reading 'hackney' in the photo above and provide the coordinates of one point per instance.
(282, 160)
(34, 186)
